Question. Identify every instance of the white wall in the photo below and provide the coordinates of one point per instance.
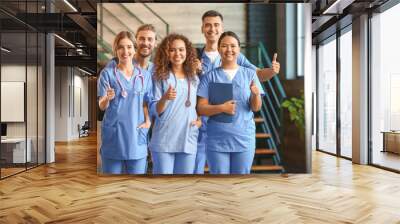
(79, 117)
(69, 85)
(61, 103)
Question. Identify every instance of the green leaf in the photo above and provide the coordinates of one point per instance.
(286, 103)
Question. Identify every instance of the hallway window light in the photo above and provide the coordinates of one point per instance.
(5, 50)
(71, 6)
(64, 40)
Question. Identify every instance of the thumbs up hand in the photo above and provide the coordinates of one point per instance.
(110, 94)
(254, 89)
(199, 66)
(275, 64)
(170, 94)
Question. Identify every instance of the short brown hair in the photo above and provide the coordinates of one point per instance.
(145, 27)
(121, 35)
(212, 13)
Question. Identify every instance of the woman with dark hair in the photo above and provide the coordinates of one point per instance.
(123, 92)
(173, 144)
(230, 147)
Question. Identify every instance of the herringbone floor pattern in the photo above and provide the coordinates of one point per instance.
(70, 191)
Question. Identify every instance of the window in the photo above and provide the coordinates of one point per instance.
(300, 40)
(327, 96)
(385, 84)
(346, 93)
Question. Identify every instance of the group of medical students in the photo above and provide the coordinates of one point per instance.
(172, 92)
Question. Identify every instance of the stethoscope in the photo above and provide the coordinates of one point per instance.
(124, 93)
(187, 102)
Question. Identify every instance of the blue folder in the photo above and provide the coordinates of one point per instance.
(219, 93)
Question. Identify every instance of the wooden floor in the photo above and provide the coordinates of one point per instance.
(386, 159)
(10, 171)
(70, 191)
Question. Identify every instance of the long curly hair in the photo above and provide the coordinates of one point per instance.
(162, 65)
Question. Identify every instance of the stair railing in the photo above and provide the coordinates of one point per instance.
(271, 107)
(159, 17)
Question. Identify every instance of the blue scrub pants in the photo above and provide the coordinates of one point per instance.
(230, 162)
(200, 162)
(173, 163)
(135, 166)
(201, 152)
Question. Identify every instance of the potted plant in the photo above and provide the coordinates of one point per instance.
(295, 106)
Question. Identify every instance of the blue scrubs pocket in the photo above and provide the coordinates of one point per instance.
(193, 134)
(142, 136)
(108, 136)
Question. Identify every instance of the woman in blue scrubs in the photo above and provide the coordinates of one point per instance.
(123, 91)
(173, 144)
(212, 27)
(230, 147)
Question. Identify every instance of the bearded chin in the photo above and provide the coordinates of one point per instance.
(144, 55)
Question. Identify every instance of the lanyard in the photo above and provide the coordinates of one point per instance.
(124, 93)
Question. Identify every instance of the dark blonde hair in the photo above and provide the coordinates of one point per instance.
(146, 27)
(121, 35)
(162, 63)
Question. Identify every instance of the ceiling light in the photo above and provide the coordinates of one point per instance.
(5, 49)
(64, 40)
(70, 5)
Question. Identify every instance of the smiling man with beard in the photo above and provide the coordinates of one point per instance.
(145, 43)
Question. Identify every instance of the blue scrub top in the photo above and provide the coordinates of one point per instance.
(172, 131)
(238, 136)
(121, 140)
(149, 71)
(207, 66)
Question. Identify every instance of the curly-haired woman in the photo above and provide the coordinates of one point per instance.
(173, 144)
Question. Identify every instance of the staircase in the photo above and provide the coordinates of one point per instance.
(268, 120)
(113, 18)
(266, 158)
